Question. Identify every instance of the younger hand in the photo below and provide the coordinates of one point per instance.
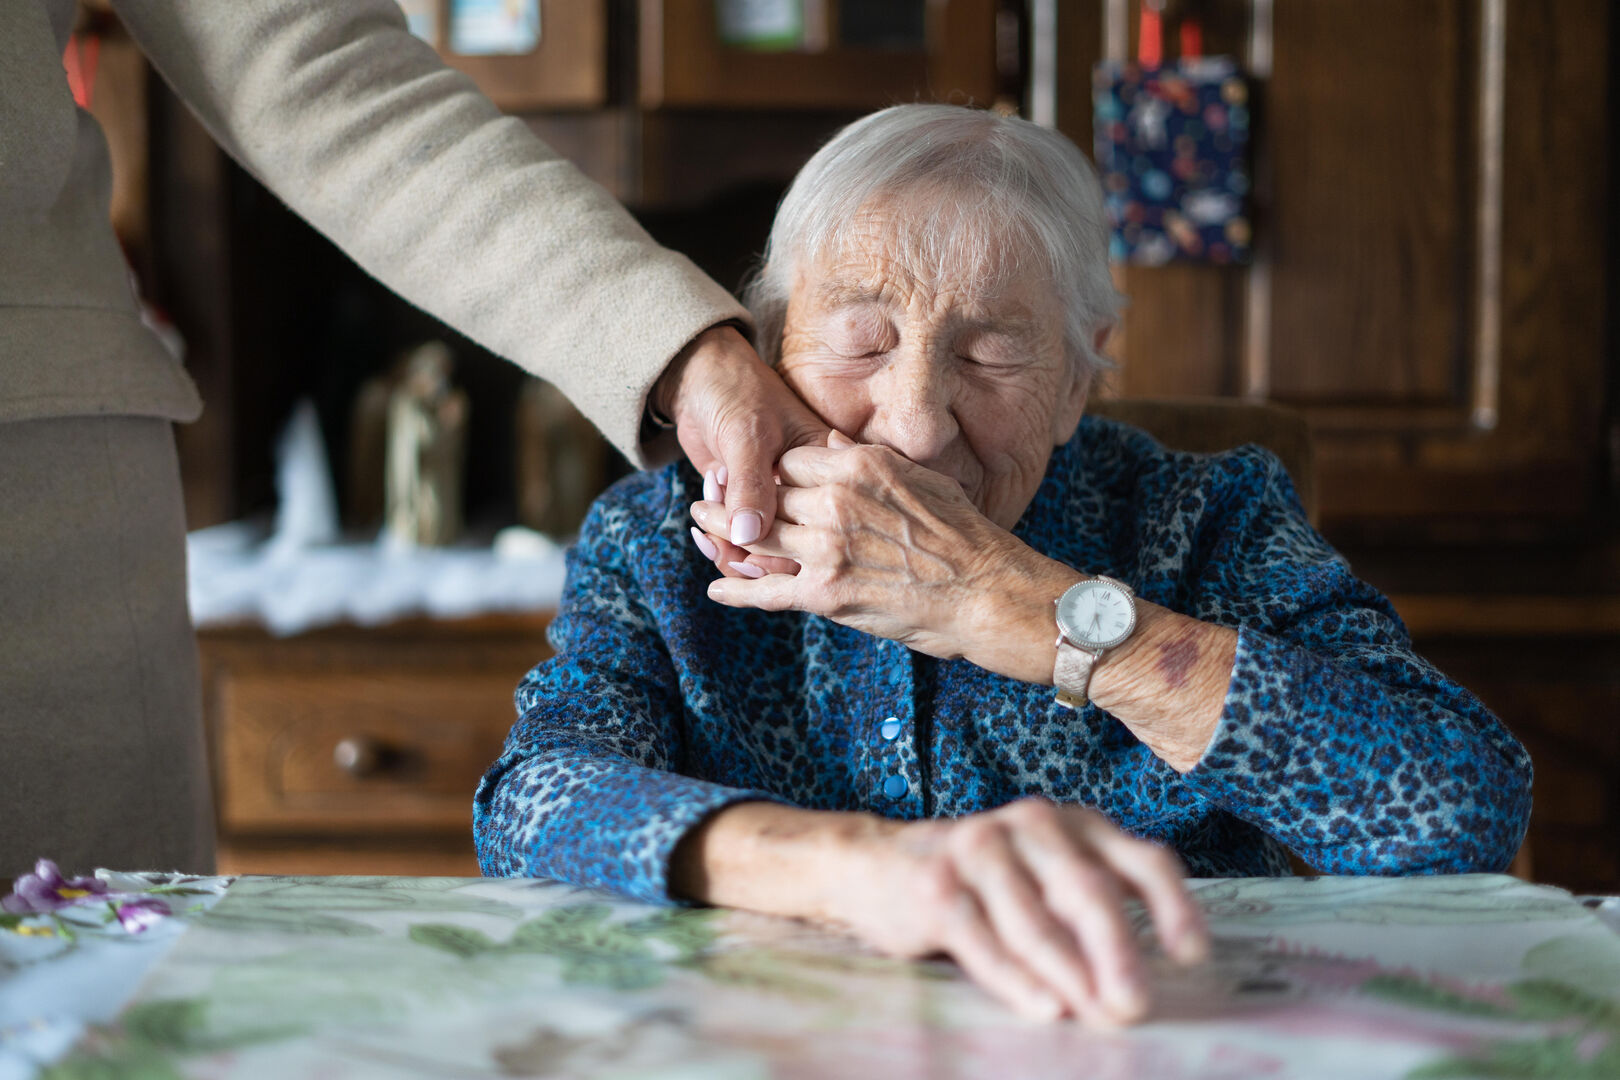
(734, 416)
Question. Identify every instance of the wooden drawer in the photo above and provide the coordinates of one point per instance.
(348, 752)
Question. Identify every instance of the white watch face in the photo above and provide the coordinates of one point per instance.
(1096, 614)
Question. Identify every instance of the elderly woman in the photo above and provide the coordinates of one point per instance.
(971, 691)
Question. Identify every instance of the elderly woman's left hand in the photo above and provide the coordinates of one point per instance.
(893, 549)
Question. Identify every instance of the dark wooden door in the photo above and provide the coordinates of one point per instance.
(1433, 196)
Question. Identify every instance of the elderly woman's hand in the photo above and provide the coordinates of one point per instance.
(1029, 898)
(897, 550)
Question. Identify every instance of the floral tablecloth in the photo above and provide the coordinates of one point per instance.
(365, 976)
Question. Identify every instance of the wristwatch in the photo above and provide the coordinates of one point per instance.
(1093, 616)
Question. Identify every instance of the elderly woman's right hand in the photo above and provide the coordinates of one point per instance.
(1030, 900)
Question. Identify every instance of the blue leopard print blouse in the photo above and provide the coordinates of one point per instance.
(1337, 741)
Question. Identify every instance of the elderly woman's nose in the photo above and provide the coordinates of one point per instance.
(913, 410)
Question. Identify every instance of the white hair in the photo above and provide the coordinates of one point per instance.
(971, 190)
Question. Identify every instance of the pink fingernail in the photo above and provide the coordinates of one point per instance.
(747, 569)
(723, 476)
(704, 544)
(711, 487)
(746, 527)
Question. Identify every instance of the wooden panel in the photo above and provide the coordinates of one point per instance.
(450, 857)
(684, 64)
(1542, 454)
(1557, 224)
(568, 69)
(1506, 616)
(1561, 697)
(1368, 220)
(436, 696)
(1370, 209)
(1079, 46)
(1180, 333)
(422, 740)
(688, 158)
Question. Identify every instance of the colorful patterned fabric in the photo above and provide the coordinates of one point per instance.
(1337, 741)
(1170, 145)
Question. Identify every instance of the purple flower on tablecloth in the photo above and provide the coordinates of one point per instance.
(137, 916)
(46, 891)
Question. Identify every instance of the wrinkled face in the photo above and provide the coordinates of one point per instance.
(962, 370)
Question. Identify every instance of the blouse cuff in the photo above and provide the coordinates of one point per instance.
(615, 827)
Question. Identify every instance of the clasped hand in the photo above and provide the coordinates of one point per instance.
(880, 544)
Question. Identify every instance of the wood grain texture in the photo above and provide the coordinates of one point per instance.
(1559, 695)
(1368, 133)
(1180, 332)
(1509, 616)
(1369, 125)
(360, 855)
(431, 699)
(567, 70)
(1399, 459)
(683, 64)
(1181, 329)
(432, 736)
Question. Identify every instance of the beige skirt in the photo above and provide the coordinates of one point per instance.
(102, 758)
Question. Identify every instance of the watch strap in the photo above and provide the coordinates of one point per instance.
(1071, 673)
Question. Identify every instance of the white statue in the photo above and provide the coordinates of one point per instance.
(427, 440)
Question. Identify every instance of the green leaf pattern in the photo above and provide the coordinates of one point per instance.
(323, 956)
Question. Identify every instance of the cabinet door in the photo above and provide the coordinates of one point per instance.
(1432, 208)
(567, 69)
(685, 64)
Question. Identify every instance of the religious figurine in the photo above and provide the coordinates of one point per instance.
(427, 439)
(561, 461)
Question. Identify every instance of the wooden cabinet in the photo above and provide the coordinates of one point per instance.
(685, 64)
(1434, 287)
(1560, 692)
(354, 750)
(568, 69)
(1433, 196)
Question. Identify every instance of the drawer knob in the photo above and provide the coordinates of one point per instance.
(357, 755)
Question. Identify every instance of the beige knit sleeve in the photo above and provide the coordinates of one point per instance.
(360, 128)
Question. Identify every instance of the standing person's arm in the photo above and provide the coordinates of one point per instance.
(365, 133)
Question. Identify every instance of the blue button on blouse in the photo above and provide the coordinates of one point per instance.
(895, 786)
(890, 729)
